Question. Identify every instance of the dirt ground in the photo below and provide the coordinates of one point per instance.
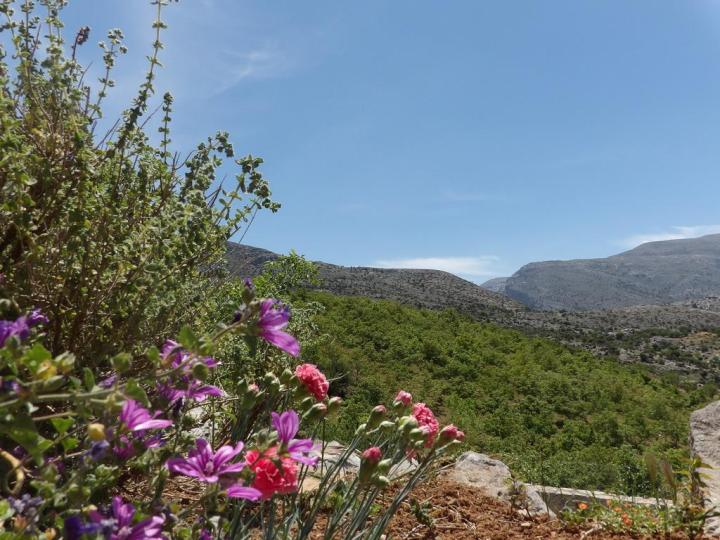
(459, 512)
(452, 511)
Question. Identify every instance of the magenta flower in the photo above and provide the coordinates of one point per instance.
(137, 418)
(274, 316)
(138, 421)
(372, 454)
(193, 390)
(125, 446)
(238, 491)
(204, 464)
(176, 356)
(287, 425)
(119, 526)
(21, 326)
(186, 386)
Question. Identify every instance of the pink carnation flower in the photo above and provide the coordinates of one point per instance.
(269, 479)
(313, 379)
(426, 421)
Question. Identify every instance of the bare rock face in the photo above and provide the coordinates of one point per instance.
(705, 441)
(493, 477)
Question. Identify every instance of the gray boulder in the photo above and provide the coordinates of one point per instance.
(705, 443)
(494, 478)
(334, 451)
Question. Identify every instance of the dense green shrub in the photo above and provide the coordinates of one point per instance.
(113, 236)
(557, 416)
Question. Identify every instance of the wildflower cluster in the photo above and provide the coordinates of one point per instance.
(78, 440)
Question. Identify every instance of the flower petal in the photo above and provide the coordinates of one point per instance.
(152, 424)
(239, 491)
(282, 340)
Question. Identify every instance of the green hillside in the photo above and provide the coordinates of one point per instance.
(555, 415)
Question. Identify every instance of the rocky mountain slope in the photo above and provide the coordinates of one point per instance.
(675, 337)
(432, 289)
(654, 273)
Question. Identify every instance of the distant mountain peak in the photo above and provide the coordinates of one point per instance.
(653, 273)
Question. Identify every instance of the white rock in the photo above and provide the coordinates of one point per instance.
(493, 477)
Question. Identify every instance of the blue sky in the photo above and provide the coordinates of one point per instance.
(471, 136)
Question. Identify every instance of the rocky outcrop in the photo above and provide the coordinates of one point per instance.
(705, 444)
(494, 478)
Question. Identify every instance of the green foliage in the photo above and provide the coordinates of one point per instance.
(679, 504)
(113, 236)
(556, 416)
(280, 278)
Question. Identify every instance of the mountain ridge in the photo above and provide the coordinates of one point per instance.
(675, 337)
(654, 273)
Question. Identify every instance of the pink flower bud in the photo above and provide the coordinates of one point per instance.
(404, 397)
(372, 454)
(451, 433)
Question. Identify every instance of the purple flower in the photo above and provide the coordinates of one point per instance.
(27, 507)
(204, 464)
(21, 326)
(177, 356)
(97, 450)
(194, 390)
(238, 491)
(119, 526)
(36, 317)
(75, 528)
(186, 386)
(9, 386)
(205, 535)
(274, 316)
(137, 418)
(287, 425)
(108, 382)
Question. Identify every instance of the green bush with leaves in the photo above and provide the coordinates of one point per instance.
(280, 279)
(114, 237)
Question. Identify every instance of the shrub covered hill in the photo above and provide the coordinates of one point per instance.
(556, 416)
(680, 337)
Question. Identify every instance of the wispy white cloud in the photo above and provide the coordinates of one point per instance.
(484, 266)
(261, 63)
(674, 233)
